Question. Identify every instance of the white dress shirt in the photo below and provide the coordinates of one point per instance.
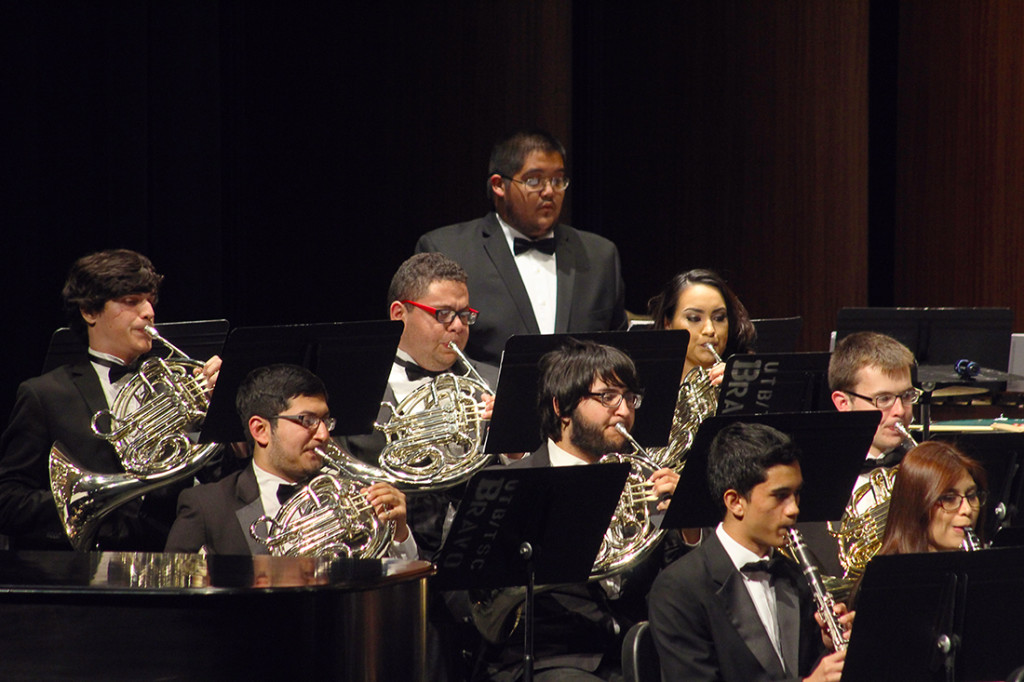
(540, 276)
(758, 586)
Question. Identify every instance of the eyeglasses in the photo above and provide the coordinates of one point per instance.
(884, 401)
(446, 315)
(536, 183)
(612, 399)
(309, 421)
(951, 501)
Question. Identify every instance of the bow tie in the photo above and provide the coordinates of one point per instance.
(889, 459)
(285, 491)
(520, 245)
(115, 371)
(414, 372)
(773, 566)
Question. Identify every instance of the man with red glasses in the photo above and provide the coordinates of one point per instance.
(531, 274)
(428, 293)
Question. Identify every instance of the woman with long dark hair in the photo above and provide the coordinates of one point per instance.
(702, 303)
(937, 493)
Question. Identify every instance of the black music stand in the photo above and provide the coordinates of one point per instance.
(777, 334)
(1001, 454)
(352, 358)
(832, 446)
(659, 357)
(199, 339)
(516, 526)
(944, 616)
(779, 382)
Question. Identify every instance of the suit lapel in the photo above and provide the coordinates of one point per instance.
(740, 608)
(787, 604)
(504, 263)
(565, 264)
(88, 384)
(248, 493)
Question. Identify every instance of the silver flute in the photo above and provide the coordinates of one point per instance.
(822, 599)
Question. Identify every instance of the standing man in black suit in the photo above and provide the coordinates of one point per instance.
(109, 298)
(586, 390)
(529, 273)
(286, 418)
(734, 609)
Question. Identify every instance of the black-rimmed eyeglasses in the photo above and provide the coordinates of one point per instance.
(884, 401)
(309, 421)
(612, 399)
(951, 501)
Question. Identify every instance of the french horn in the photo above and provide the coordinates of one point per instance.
(860, 533)
(697, 400)
(148, 425)
(434, 441)
(435, 435)
(329, 516)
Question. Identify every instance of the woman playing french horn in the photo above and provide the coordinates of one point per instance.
(700, 302)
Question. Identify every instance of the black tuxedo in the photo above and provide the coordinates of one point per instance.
(591, 293)
(58, 406)
(218, 516)
(578, 626)
(705, 625)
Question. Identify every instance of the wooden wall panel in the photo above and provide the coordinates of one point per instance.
(960, 188)
(730, 135)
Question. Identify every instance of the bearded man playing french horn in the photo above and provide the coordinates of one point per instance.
(287, 421)
(109, 298)
(587, 398)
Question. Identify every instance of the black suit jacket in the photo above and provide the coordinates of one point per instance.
(578, 626)
(591, 292)
(58, 406)
(705, 625)
(218, 516)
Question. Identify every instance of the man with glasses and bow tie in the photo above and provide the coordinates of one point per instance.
(286, 418)
(871, 371)
(109, 298)
(734, 609)
(587, 391)
(530, 273)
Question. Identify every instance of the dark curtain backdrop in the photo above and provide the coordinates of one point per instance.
(277, 161)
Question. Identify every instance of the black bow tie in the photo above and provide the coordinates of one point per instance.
(285, 491)
(520, 245)
(414, 372)
(889, 459)
(773, 566)
(115, 370)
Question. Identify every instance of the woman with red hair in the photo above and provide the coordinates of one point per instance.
(938, 492)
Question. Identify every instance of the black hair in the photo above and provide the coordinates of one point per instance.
(567, 374)
(741, 455)
(266, 391)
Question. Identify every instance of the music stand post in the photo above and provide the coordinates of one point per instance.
(516, 526)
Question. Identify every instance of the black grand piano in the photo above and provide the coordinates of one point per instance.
(155, 616)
